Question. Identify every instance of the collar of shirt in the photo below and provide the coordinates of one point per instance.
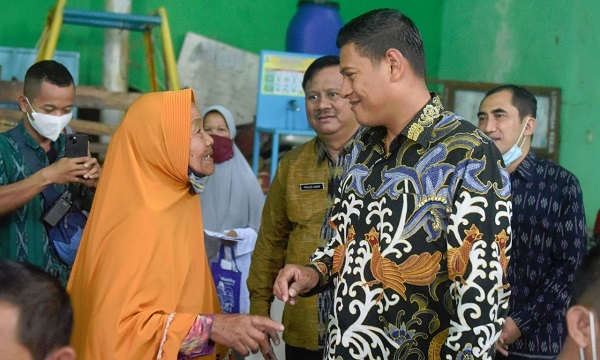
(30, 141)
(322, 153)
(527, 167)
(419, 129)
(58, 145)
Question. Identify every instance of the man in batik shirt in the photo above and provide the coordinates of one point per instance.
(299, 200)
(549, 232)
(422, 219)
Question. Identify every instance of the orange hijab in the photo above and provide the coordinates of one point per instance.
(141, 275)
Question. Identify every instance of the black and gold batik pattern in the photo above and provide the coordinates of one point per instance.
(421, 246)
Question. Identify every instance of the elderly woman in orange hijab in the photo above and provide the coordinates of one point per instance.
(141, 286)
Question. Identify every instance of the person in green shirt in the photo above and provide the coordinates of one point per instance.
(46, 103)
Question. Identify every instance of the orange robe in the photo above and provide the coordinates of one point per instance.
(141, 274)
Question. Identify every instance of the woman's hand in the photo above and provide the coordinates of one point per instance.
(230, 233)
(246, 333)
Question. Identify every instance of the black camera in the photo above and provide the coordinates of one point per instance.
(58, 210)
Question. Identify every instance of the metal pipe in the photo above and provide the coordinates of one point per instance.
(54, 23)
(150, 60)
(169, 54)
(110, 19)
(115, 57)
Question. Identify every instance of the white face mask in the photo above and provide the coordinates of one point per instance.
(592, 340)
(515, 151)
(49, 126)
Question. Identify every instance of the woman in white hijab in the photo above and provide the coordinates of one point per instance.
(232, 199)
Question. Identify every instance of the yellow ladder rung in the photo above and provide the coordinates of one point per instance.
(59, 15)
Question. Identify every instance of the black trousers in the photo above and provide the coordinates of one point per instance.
(296, 353)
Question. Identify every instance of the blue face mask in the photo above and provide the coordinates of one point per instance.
(197, 180)
(515, 151)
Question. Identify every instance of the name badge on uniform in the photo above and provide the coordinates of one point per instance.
(313, 186)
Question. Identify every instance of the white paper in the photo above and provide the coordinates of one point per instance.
(216, 236)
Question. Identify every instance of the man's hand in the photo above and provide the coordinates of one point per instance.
(93, 174)
(294, 280)
(246, 333)
(510, 333)
(84, 170)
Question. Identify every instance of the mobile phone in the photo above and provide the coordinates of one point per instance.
(77, 145)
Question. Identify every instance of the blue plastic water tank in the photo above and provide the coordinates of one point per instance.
(314, 28)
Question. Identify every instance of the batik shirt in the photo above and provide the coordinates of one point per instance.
(421, 245)
(549, 242)
(291, 228)
(23, 236)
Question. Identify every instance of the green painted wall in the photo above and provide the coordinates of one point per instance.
(248, 24)
(546, 43)
(533, 42)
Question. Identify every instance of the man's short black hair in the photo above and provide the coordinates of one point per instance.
(522, 99)
(585, 289)
(377, 31)
(46, 70)
(318, 65)
(45, 312)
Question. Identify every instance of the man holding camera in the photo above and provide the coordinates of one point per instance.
(47, 103)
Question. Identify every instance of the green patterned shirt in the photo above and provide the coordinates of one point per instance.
(23, 236)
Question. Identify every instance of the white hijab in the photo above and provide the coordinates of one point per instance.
(232, 197)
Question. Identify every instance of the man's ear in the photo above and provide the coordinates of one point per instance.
(22, 103)
(578, 325)
(530, 127)
(396, 63)
(63, 353)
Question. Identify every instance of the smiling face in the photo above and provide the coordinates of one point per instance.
(215, 124)
(327, 112)
(365, 85)
(201, 160)
(500, 120)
